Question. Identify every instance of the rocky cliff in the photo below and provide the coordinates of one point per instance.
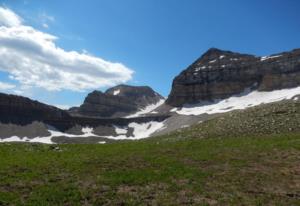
(117, 101)
(219, 74)
(22, 110)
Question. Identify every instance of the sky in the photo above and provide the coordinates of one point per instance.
(58, 51)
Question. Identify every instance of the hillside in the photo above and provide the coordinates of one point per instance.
(214, 171)
(244, 157)
(267, 119)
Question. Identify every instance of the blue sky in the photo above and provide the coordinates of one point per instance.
(152, 38)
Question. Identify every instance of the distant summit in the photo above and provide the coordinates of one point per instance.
(118, 101)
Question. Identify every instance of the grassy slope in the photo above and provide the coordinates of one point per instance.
(262, 168)
(249, 171)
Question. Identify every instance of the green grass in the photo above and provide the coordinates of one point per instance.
(212, 171)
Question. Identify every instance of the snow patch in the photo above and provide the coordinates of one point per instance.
(87, 132)
(174, 109)
(269, 57)
(200, 68)
(212, 61)
(44, 140)
(120, 130)
(222, 56)
(116, 92)
(242, 101)
(140, 130)
(147, 109)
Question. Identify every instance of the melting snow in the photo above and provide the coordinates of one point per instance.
(199, 68)
(147, 109)
(174, 109)
(242, 101)
(87, 130)
(269, 57)
(116, 92)
(212, 61)
(120, 130)
(140, 130)
(222, 56)
(45, 140)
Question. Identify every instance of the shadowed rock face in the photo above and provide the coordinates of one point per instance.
(117, 101)
(21, 110)
(220, 74)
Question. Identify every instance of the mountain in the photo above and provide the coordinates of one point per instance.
(26, 120)
(218, 82)
(118, 101)
(21, 110)
(219, 74)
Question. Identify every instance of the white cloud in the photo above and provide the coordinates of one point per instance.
(33, 59)
(6, 86)
(46, 26)
(9, 18)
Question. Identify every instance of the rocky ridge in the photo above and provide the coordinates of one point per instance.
(219, 74)
(118, 101)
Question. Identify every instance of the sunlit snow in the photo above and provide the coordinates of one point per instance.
(116, 92)
(147, 109)
(242, 101)
(269, 57)
(140, 131)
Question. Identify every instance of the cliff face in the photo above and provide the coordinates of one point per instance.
(117, 101)
(21, 110)
(220, 74)
(18, 110)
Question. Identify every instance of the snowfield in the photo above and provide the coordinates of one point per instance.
(146, 110)
(245, 100)
(140, 131)
(137, 131)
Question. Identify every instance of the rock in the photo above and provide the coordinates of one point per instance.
(117, 101)
(219, 74)
(22, 110)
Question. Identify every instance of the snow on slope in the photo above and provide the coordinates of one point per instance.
(269, 57)
(140, 131)
(242, 101)
(87, 132)
(147, 109)
(116, 92)
(45, 140)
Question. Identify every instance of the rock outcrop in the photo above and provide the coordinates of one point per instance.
(21, 110)
(220, 74)
(117, 101)
(23, 117)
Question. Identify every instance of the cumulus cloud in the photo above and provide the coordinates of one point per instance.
(33, 59)
(6, 86)
(9, 18)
